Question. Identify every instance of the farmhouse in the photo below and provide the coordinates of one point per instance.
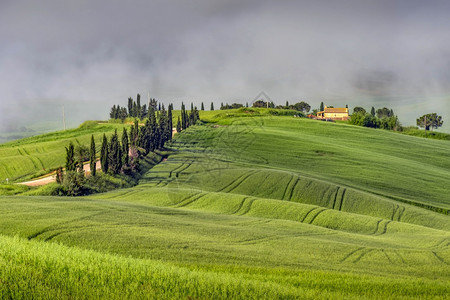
(333, 113)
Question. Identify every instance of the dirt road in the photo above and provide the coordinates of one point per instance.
(52, 176)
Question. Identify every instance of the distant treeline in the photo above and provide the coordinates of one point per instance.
(300, 106)
(381, 118)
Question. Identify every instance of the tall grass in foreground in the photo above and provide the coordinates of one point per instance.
(44, 270)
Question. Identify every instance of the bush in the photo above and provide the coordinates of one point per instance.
(73, 183)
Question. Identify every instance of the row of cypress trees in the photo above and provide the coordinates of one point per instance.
(187, 118)
(157, 130)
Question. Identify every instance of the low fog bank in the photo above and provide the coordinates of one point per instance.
(89, 55)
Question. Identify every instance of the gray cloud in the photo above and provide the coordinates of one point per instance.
(367, 53)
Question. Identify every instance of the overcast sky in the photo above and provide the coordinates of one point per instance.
(98, 53)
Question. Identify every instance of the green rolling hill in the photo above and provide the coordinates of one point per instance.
(252, 204)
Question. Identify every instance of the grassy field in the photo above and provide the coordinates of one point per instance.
(31, 157)
(249, 205)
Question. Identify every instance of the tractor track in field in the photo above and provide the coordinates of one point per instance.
(183, 163)
(377, 226)
(385, 225)
(240, 205)
(191, 199)
(291, 193)
(397, 209)
(338, 200)
(287, 187)
(57, 226)
(177, 174)
(247, 206)
(237, 180)
(363, 253)
(401, 257)
(315, 216)
(438, 245)
(387, 256)
(351, 253)
(439, 258)
(335, 197)
(307, 214)
(357, 253)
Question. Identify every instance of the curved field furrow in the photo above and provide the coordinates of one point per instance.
(234, 183)
(307, 214)
(342, 199)
(384, 226)
(335, 197)
(247, 205)
(377, 226)
(287, 188)
(240, 205)
(348, 255)
(439, 258)
(190, 200)
(315, 216)
(362, 254)
(387, 256)
(399, 256)
(293, 188)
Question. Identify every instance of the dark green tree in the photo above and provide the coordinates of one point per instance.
(321, 108)
(170, 121)
(104, 155)
(125, 148)
(92, 157)
(183, 116)
(114, 154)
(384, 113)
(71, 163)
(372, 111)
(358, 110)
(130, 107)
(178, 125)
(212, 106)
(202, 107)
(430, 121)
(302, 106)
(138, 106)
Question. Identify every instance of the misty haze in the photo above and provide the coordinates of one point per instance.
(356, 53)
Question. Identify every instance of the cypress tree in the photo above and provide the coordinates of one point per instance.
(178, 125)
(152, 132)
(138, 106)
(132, 136)
(92, 158)
(104, 155)
(71, 163)
(163, 127)
(192, 106)
(321, 106)
(125, 148)
(212, 106)
(202, 107)
(183, 116)
(170, 121)
(115, 154)
(372, 111)
(130, 107)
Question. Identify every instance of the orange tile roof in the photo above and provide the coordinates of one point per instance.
(335, 110)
